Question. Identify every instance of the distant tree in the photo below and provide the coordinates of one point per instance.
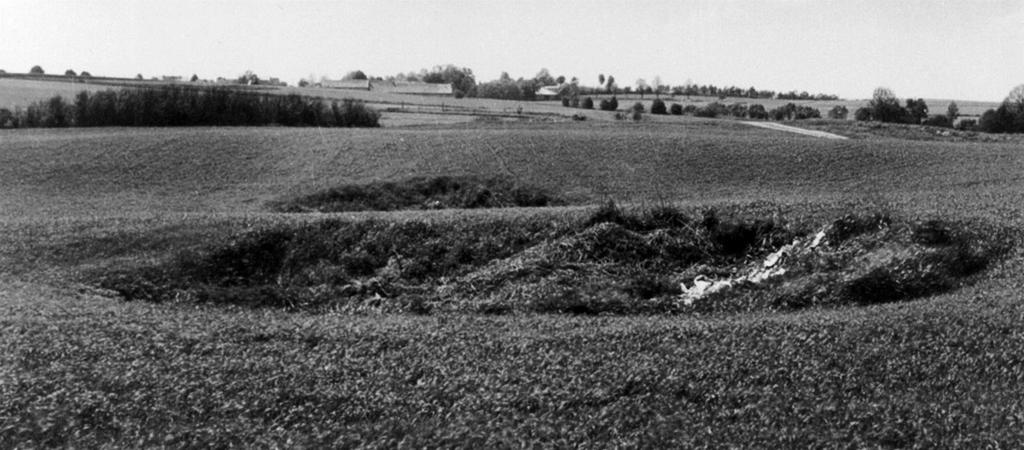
(303, 83)
(658, 107)
(738, 110)
(461, 78)
(917, 110)
(85, 74)
(611, 104)
(8, 119)
(1015, 100)
(838, 112)
(757, 111)
(885, 107)
(610, 84)
(862, 114)
(560, 79)
(249, 78)
(999, 120)
(194, 78)
(70, 73)
(656, 86)
(36, 70)
(952, 112)
(354, 75)
(641, 86)
(939, 120)
(544, 78)
(138, 76)
(600, 79)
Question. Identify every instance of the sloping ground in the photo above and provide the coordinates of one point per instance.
(789, 129)
(80, 370)
(118, 172)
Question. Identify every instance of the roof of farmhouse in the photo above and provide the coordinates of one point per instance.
(412, 87)
(346, 84)
(548, 90)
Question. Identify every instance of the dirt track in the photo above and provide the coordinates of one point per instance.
(780, 127)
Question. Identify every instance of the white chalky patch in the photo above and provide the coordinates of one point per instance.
(770, 268)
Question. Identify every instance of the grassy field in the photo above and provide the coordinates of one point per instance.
(80, 368)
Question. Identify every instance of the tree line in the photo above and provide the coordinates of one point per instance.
(885, 107)
(173, 105)
(522, 88)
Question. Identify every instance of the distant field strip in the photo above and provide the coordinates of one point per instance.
(780, 127)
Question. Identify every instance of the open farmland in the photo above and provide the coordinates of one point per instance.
(81, 367)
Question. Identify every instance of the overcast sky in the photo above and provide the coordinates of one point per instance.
(971, 50)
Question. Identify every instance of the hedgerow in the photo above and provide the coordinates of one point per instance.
(171, 105)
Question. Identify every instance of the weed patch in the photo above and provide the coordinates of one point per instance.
(422, 193)
(658, 260)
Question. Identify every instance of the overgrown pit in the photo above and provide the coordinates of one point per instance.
(658, 261)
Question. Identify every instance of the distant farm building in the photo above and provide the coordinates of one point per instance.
(412, 87)
(547, 92)
(362, 85)
(393, 87)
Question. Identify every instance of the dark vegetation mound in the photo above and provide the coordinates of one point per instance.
(422, 193)
(174, 106)
(612, 262)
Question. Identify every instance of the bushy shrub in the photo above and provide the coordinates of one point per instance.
(862, 114)
(579, 117)
(690, 109)
(757, 111)
(423, 193)
(676, 109)
(939, 120)
(658, 107)
(588, 103)
(706, 111)
(639, 107)
(738, 110)
(8, 119)
(1004, 119)
(839, 112)
(807, 112)
(565, 102)
(885, 107)
(184, 105)
(967, 125)
(637, 115)
(611, 104)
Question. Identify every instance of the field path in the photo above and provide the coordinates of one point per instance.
(781, 127)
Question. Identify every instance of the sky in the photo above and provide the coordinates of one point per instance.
(968, 50)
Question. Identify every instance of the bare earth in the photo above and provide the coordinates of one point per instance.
(781, 127)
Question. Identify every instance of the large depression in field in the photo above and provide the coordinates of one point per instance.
(658, 260)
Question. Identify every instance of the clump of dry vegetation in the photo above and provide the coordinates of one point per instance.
(612, 262)
(441, 192)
